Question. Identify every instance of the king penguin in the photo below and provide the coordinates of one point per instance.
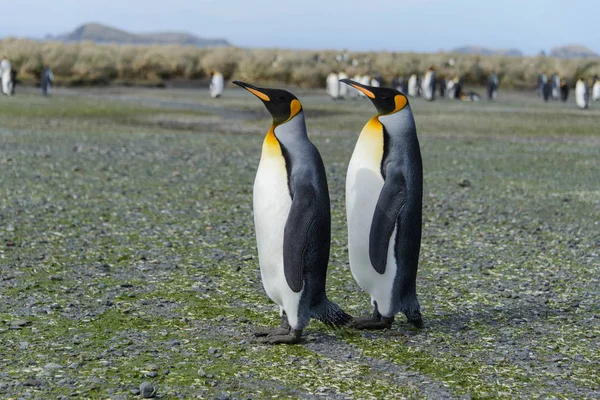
(384, 190)
(581, 93)
(292, 220)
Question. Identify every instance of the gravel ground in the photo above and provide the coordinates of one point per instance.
(128, 265)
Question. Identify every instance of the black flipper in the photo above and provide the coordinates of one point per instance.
(390, 202)
(302, 215)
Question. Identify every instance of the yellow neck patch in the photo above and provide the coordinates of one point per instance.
(271, 147)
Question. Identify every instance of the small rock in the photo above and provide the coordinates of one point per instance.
(152, 367)
(212, 350)
(174, 342)
(52, 366)
(464, 183)
(135, 391)
(147, 390)
(32, 382)
(223, 396)
(19, 322)
(108, 303)
(151, 374)
(247, 257)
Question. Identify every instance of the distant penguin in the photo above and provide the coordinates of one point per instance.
(555, 83)
(47, 81)
(450, 88)
(332, 85)
(292, 220)
(375, 82)
(564, 90)
(384, 190)
(540, 85)
(413, 88)
(492, 86)
(596, 89)
(428, 85)
(217, 84)
(546, 88)
(342, 89)
(442, 87)
(581, 94)
(6, 76)
(396, 83)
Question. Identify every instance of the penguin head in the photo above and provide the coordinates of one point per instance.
(282, 105)
(385, 100)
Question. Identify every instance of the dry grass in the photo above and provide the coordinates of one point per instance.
(89, 63)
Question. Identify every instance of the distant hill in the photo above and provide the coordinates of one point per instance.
(105, 34)
(484, 51)
(573, 51)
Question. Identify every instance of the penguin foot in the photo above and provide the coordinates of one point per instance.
(292, 337)
(372, 323)
(415, 319)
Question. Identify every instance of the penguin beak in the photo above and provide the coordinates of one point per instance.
(358, 86)
(258, 92)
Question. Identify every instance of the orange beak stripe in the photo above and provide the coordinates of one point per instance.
(367, 93)
(258, 94)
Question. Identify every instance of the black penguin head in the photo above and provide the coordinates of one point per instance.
(282, 105)
(385, 100)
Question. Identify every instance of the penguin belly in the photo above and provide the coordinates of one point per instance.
(272, 203)
(364, 183)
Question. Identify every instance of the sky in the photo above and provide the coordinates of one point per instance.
(401, 25)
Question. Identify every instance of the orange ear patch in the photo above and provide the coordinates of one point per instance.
(400, 101)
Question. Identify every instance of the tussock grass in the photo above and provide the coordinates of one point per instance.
(89, 63)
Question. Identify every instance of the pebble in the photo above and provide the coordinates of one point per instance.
(212, 350)
(52, 366)
(151, 374)
(147, 390)
(19, 322)
(32, 382)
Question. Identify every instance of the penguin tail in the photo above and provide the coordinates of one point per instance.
(331, 314)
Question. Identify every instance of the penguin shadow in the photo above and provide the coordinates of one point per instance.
(494, 317)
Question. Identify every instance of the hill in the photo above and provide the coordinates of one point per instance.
(99, 33)
(484, 51)
(573, 51)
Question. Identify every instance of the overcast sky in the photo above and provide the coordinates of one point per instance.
(401, 25)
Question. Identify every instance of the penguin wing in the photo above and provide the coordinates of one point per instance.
(390, 202)
(295, 237)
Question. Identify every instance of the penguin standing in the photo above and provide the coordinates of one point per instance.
(292, 220)
(413, 90)
(441, 85)
(546, 87)
(217, 84)
(6, 76)
(492, 86)
(428, 86)
(384, 191)
(555, 82)
(47, 81)
(342, 89)
(581, 93)
(596, 89)
(332, 85)
(564, 90)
